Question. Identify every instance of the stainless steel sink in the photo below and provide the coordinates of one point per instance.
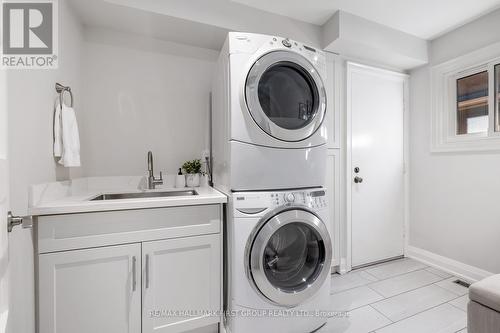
(138, 195)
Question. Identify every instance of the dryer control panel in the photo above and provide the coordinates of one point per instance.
(259, 202)
(243, 42)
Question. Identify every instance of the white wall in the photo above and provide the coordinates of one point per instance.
(194, 19)
(142, 94)
(468, 38)
(30, 105)
(454, 196)
(357, 38)
(31, 100)
(4, 202)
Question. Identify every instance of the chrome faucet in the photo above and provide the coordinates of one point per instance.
(152, 180)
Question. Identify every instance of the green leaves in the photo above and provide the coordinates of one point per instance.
(193, 166)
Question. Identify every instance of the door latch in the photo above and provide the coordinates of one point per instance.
(13, 220)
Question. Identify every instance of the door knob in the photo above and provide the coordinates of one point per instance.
(358, 180)
(12, 221)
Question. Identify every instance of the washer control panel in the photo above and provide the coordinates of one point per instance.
(313, 199)
(257, 202)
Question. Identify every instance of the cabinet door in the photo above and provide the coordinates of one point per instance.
(93, 290)
(181, 275)
(333, 101)
(334, 195)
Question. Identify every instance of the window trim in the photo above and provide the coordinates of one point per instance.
(496, 103)
(444, 104)
(453, 110)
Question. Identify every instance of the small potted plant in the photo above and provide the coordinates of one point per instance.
(192, 170)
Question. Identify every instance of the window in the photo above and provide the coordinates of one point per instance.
(466, 102)
(472, 104)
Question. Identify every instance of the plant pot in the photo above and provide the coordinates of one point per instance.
(193, 180)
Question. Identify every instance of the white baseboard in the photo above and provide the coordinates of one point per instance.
(342, 269)
(467, 272)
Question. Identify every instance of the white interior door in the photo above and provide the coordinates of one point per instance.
(4, 206)
(376, 104)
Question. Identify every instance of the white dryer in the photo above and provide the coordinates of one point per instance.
(278, 261)
(268, 111)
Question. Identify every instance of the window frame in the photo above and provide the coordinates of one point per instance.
(453, 123)
(496, 101)
(445, 107)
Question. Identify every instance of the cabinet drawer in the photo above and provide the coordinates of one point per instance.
(73, 231)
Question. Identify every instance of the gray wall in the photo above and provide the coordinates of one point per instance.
(454, 210)
(31, 96)
(141, 94)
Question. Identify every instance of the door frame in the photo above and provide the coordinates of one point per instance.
(352, 67)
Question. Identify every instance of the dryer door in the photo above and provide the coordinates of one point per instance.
(289, 257)
(285, 96)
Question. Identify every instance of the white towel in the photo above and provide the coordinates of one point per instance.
(66, 136)
(57, 130)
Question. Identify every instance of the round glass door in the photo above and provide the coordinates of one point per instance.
(293, 257)
(288, 95)
(285, 96)
(290, 256)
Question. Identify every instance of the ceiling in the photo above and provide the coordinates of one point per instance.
(426, 19)
(202, 23)
(205, 23)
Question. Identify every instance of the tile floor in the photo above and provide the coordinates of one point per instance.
(403, 296)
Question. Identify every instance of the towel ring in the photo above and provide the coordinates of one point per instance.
(60, 90)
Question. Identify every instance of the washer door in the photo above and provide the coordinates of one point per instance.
(290, 256)
(285, 96)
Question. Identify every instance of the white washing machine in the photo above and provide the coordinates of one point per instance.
(268, 110)
(278, 261)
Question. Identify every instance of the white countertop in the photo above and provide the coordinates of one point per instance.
(74, 196)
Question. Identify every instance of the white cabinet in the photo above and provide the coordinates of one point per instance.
(335, 90)
(130, 271)
(92, 290)
(333, 94)
(334, 200)
(181, 275)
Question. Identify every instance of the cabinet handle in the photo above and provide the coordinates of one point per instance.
(134, 274)
(147, 271)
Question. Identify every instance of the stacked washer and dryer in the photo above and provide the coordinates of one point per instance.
(269, 156)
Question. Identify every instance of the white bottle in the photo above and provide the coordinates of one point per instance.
(180, 180)
(204, 181)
